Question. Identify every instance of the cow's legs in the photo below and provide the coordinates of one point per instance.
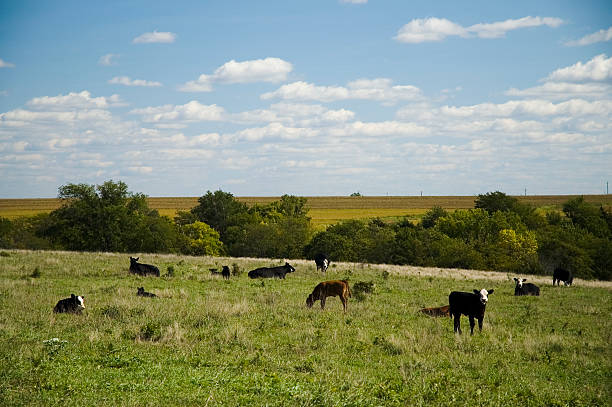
(323, 303)
(480, 324)
(343, 302)
(472, 324)
(457, 323)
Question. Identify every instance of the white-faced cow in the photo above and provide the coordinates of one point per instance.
(75, 304)
(522, 288)
(272, 272)
(471, 304)
(561, 274)
(142, 269)
(321, 261)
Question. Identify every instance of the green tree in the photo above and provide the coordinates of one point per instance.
(220, 210)
(431, 216)
(202, 240)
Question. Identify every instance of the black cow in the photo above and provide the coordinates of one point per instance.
(321, 261)
(142, 269)
(272, 272)
(142, 293)
(525, 289)
(74, 304)
(471, 304)
(561, 274)
(225, 272)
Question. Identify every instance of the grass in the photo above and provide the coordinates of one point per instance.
(323, 210)
(207, 341)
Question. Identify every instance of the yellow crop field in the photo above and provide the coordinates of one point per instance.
(323, 210)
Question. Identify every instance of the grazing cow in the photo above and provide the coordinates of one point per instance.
(225, 272)
(74, 304)
(272, 272)
(142, 293)
(321, 261)
(561, 274)
(142, 269)
(471, 304)
(525, 289)
(437, 311)
(334, 288)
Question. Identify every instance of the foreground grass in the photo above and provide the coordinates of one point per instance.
(207, 341)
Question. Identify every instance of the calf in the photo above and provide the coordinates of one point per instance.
(74, 304)
(142, 293)
(225, 272)
(525, 289)
(322, 262)
(561, 274)
(272, 272)
(437, 311)
(142, 269)
(334, 288)
(471, 304)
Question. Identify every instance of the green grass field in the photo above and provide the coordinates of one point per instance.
(206, 341)
(323, 210)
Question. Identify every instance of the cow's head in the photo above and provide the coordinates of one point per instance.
(483, 295)
(309, 301)
(133, 259)
(519, 282)
(140, 290)
(290, 268)
(78, 299)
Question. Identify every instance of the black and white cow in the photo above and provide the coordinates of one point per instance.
(561, 274)
(321, 261)
(471, 304)
(142, 269)
(75, 304)
(522, 288)
(272, 272)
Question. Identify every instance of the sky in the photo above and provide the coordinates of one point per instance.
(309, 98)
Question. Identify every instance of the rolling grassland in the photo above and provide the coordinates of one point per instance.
(207, 341)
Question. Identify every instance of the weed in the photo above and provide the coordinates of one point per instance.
(36, 273)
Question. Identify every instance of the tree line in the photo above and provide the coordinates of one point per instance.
(499, 233)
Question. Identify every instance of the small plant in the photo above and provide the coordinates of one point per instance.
(384, 274)
(388, 347)
(366, 287)
(54, 345)
(236, 270)
(170, 270)
(151, 331)
(111, 311)
(36, 273)
(5, 254)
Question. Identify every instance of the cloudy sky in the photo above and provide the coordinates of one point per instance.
(318, 97)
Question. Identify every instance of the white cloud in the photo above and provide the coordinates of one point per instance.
(108, 59)
(258, 70)
(192, 111)
(124, 80)
(354, 1)
(597, 69)
(574, 107)
(599, 36)
(274, 130)
(379, 89)
(155, 37)
(72, 100)
(437, 29)
(380, 129)
(295, 114)
(140, 169)
(563, 90)
(4, 64)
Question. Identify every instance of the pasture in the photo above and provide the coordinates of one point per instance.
(209, 341)
(323, 210)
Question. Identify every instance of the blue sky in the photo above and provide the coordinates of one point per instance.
(306, 97)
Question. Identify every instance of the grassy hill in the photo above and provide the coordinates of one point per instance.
(206, 341)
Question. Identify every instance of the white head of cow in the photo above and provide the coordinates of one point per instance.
(81, 300)
(520, 281)
(484, 295)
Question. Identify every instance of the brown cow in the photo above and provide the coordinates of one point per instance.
(333, 288)
(437, 311)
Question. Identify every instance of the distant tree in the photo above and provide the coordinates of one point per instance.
(495, 201)
(431, 216)
(356, 194)
(202, 240)
(588, 216)
(220, 210)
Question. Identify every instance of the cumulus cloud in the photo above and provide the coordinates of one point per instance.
(125, 80)
(599, 36)
(574, 107)
(155, 37)
(73, 100)
(192, 111)
(597, 69)
(258, 70)
(108, 59)
(437, 29)
(380, 89)
(295, 114)
(274, 130)
(563, 90)
(4, 64)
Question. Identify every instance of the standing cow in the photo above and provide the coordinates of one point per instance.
(522, 288)
(321, 261)
(471, 304)
(561, 274)
(334, 288)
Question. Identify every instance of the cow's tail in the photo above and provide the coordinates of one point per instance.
(348, 288)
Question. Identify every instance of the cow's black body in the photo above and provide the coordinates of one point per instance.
(272, 272)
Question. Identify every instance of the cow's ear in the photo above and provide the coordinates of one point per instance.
(72, 295)
(476, 292)
(490, 291)
(515, 279)
(524, 280)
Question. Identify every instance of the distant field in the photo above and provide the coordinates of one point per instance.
(323, 210)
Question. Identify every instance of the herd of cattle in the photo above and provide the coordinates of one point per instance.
(472, 305)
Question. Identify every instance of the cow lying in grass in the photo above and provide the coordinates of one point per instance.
(561, 274)
(471, 304)
(142, 293)
(74, 304)
(272, 272)
(333, 288)
(142, 269)
(522, 288)
(225, 272)
(437, 311)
